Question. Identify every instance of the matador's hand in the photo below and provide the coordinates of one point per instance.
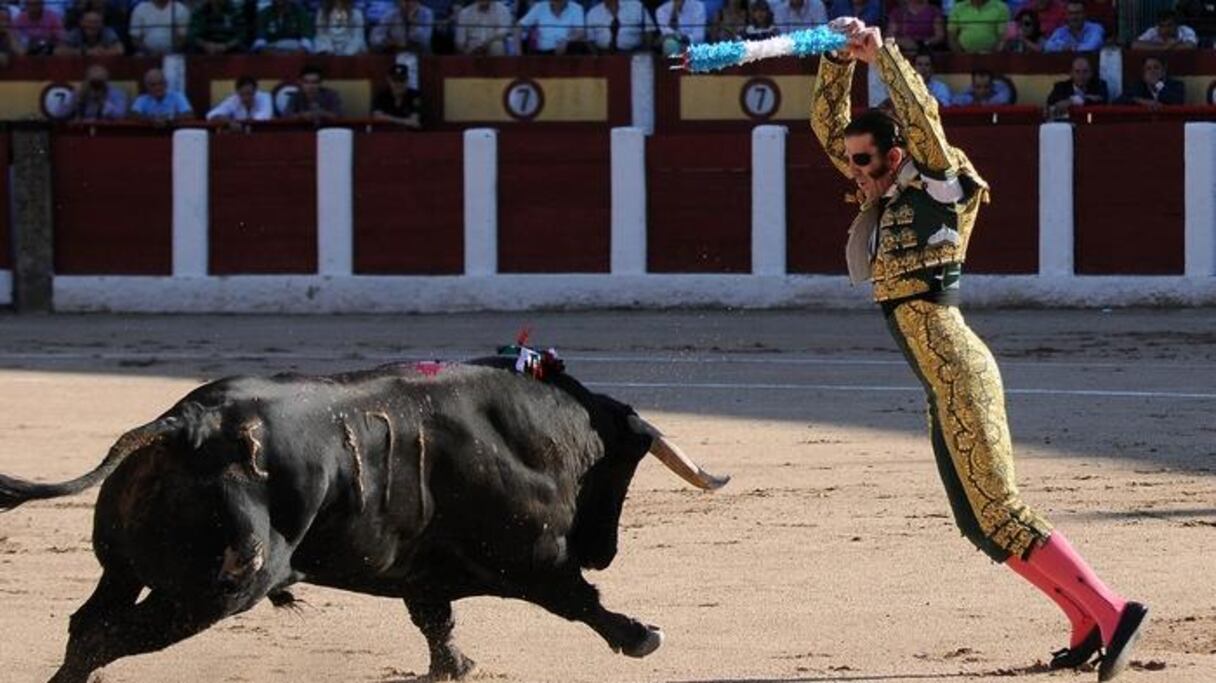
(847, 26)
(865, 44)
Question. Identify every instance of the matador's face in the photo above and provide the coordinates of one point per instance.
(872, 170)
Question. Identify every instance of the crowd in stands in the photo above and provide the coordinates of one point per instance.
(502, 27)
(924, 28)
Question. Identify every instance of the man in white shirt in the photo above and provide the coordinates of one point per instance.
(246, 104)
(483, 28)
(1168, 34)
(556, 24)
(796, 15)
(681, 20)
(618, 25)
(159, 26)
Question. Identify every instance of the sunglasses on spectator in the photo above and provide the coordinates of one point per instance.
(862, 158)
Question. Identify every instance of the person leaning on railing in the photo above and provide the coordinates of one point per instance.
(91, 38)
(39, 28)
(97, 99)
(1168, 34)
(158, 104)
(159, 27)
(483, 28)
(619, 26)
(1081, 88)
(340, 29)
(557, 27)
(977, 25)
(246, 103)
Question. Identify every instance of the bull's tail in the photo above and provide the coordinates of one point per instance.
(14, 492)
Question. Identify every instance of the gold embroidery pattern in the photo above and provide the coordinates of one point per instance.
(899, 288)
(916, 110)
(966, 387)
(831, 108)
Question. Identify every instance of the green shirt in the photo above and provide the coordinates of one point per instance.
(979, 28)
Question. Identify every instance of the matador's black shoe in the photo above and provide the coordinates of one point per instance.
(1076, 657)
(1119, 652)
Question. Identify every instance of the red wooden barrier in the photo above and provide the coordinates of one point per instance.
(263, 203)
(698, 198)
(1006, 238)
(113, 203)
(6, 246)
(554, 202)
(817, 216)
(1129, 199)
(409, 198)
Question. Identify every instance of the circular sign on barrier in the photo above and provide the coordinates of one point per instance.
(760, 98)
(523, 99)
(58, 101)
(282, 94)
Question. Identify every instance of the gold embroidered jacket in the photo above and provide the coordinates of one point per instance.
(916, 232)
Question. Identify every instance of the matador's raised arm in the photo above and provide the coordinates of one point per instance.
(917, 112)
(832, 108)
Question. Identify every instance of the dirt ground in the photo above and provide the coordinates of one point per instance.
(831, 556)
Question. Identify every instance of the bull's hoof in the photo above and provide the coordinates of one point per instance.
(452, 668)
(648, 644)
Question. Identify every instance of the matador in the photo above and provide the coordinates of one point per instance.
(919, 201)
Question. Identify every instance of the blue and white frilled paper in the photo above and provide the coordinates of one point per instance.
(704, 57)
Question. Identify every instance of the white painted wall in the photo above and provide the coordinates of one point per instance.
(628, 255)
(191, 202)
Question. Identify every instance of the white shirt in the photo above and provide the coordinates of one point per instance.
(1186, 34)
(343, 35)
(812, 13)
(157, 26)
(552, 29)
(474, 27)
(634, 21)
(232, 109)
(690, 21)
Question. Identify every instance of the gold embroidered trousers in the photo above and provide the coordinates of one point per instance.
(968, 428)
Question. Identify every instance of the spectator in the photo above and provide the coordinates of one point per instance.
(731, 21)
(1024, 34)
(681, 22)
(399, 103)
(985, 91)
(217, 27)
(760, 24)
(1155, 89)
(619, 26)
(917, 24)
(247, 103)
(284, 26)
(113, 14)
(1200, 15)
(92, 38)
(443, 13)
(39, 28)
(977, 25)
(339, 29)
(97, 99)
(923, 63)
(1081, 88)
(1052, 14)
(159, 27)
(869, 11)
(10, 43)
(158, 104)
(409, 27)
(1077, 34)
(796, 15)
(558, 26)
(484, 27)
(1167, 35)
(313, 101)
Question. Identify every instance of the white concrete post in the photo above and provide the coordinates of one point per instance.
(174, 68)
(191, 202)
(628, 201)
(480, 201)
(768, 200)
(641, 91)
(335, 202)
(1200, 164)
(1110, 69)
(1056, 227)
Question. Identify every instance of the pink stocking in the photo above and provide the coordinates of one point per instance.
(1081, 622)
(1063, 566)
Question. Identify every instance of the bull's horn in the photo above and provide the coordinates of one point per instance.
(675, 459)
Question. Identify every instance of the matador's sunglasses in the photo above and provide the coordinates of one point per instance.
(862, 158)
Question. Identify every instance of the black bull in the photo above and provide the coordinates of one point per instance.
(424, 482)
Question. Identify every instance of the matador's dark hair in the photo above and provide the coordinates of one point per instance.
(885, 128)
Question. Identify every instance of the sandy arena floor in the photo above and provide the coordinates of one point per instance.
(830, 557)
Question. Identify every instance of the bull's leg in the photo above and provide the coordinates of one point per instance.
(434, 619)
(154, 624)
(569, 595)
(116, 593)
